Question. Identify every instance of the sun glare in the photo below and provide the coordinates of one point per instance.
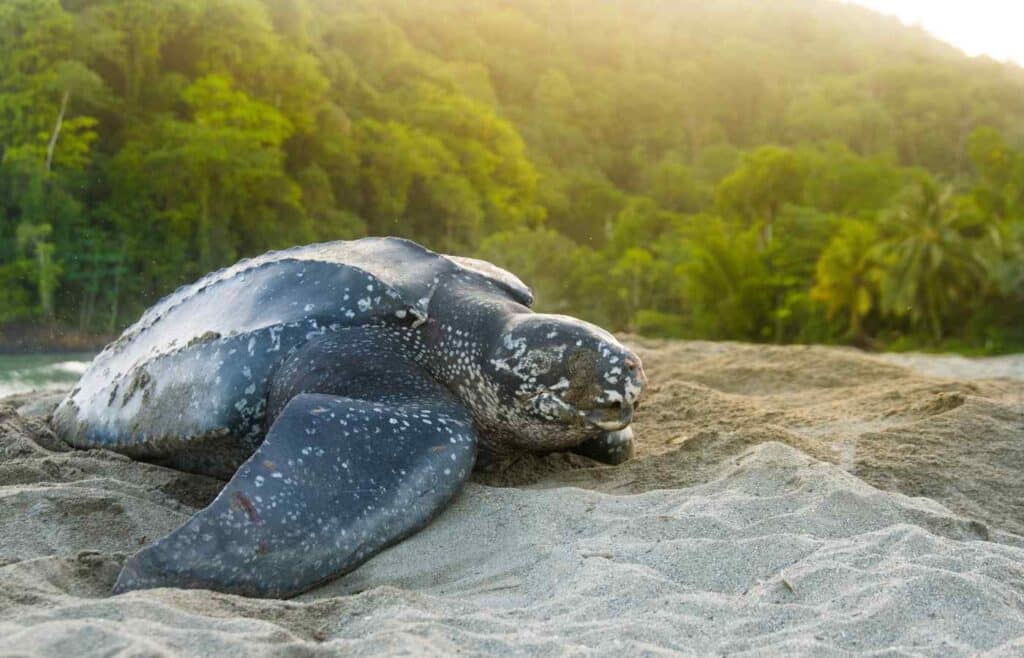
(978, 27)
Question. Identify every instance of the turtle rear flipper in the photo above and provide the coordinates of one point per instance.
(338, 478)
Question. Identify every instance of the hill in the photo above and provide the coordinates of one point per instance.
(800, 170)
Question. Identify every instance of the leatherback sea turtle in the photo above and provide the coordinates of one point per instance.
(346, 389)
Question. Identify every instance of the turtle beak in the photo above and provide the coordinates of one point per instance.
(613, 410)
(610, 416)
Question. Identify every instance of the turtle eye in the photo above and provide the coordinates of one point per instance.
(538, 362)
(542, 360)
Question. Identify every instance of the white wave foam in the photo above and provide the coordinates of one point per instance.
(45, 377)
(74, 367)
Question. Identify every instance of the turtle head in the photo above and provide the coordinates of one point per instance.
(566, 379)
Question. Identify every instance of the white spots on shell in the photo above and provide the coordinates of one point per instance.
(611, 395)
(633, 390)
(560, 384)
(517, 345)
(275, 339)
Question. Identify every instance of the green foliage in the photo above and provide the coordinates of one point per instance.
(726, 284)
(848, 274)
(33, 240)
(218, 173)
(937, 252)
(799, 171)
(551, 262)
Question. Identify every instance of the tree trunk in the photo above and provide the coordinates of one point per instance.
(56, 131)
(857, 328)
(47, 278)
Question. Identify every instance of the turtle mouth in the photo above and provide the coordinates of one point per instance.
(610, 416)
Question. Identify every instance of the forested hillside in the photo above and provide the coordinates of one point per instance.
(794, 170)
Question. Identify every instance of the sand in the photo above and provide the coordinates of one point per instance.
(789, 500)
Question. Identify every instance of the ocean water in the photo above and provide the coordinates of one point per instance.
(20, 373)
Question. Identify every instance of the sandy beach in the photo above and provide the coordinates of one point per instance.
(788, 500)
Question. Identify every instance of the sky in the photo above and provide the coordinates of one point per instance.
(978, 27)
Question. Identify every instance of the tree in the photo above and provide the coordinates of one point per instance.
(1000, 189)
(841, 109)
(545, 260)
(843, 182)
(767, 178)
(674, 185)
(725, 283)
(128, 39)
(35, 35)
(677, 168)
(848, 276)
(219, 174)
(936, 252)
(33, 238)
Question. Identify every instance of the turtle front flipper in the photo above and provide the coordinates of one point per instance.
(337, 480)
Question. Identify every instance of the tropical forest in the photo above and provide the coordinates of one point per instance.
(793, 171)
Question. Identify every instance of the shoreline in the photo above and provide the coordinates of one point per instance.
(23, 340)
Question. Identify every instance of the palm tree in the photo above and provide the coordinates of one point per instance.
(937, 254)
(726, 283)
(848, 275)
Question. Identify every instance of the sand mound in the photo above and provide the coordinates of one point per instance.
(960, 442)
(748, 524)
